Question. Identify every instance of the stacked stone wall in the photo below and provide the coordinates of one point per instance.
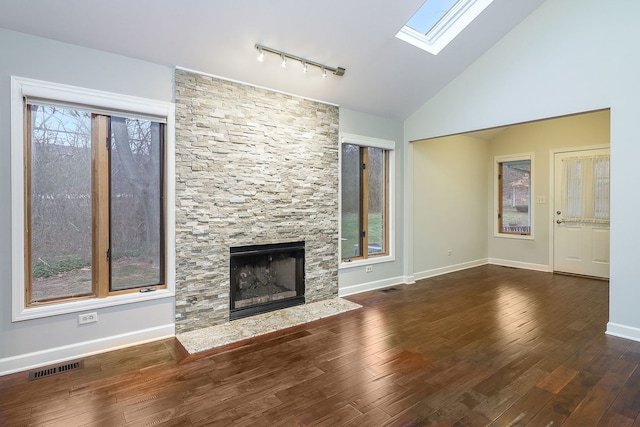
(253, 166)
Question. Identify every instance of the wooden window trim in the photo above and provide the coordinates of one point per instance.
(363, 239)
(385, 220)
(500, 197)
(500, 194)
(27, 202)
(364, 202)
(100, 215)
(34, 91)
(100, 204)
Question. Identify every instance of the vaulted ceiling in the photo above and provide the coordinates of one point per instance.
(384, 75)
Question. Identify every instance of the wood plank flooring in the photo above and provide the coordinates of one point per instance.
(486, 346)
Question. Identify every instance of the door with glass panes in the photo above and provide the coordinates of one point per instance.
(581, 213)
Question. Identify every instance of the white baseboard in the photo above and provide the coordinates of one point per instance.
(52, 356)
(520, 264)
(371, 286)
(449, 269)
(622, 331)
(408, 280)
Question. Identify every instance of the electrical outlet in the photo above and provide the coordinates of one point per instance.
(368, 268)
(450, 252)
(87, 318)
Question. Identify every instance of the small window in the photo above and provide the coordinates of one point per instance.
(514, 196)
(365, 224)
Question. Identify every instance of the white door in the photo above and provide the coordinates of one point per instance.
(581, 213)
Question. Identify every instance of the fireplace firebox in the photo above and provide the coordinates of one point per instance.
(266, 278)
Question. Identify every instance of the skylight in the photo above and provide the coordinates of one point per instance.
(437, 22)
(429, 14)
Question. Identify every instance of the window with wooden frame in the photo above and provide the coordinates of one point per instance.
(93, 203)
(514, 196)
(365, 198)
(95, 199)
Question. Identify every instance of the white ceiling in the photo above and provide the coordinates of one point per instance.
(384, 76)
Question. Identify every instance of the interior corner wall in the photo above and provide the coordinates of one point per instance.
(48, 340)
(540, 138)
(449, 204)
(356, 279)
(567, 57)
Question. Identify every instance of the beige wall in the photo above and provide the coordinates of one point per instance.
(453, 192)
(539, 138)
(449, 204)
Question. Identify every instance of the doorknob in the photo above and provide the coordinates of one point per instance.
(558, 212)
(559, 221)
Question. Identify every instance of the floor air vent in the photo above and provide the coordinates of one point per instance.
(47, 372)
(389, 290)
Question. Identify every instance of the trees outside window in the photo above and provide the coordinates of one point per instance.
(94, 210)
(365, 202)
(514, 197)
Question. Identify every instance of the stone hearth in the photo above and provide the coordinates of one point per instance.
(254, 326)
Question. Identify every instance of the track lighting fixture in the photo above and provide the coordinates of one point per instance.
(338, 71)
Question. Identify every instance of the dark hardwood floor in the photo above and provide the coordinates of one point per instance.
(486, 346)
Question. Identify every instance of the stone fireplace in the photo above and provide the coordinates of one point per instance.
(253, 167)
(266, 278)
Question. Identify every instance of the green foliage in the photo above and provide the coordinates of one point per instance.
(44, 269)
(351, 232)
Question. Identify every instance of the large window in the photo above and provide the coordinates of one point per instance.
(93, 203)
(93, 199)
(514, 196)
(365, 223)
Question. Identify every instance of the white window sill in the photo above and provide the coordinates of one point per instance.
(362, 262)
(47, 310)
(514, 236)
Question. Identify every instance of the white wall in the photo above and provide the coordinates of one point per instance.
(449, 204)
(355, 279)
(568, 56)
(36, 342)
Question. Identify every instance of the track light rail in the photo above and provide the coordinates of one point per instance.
(338, 71)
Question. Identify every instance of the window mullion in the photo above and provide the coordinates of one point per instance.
(365, 201)
(100, 203)
(27, 198)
